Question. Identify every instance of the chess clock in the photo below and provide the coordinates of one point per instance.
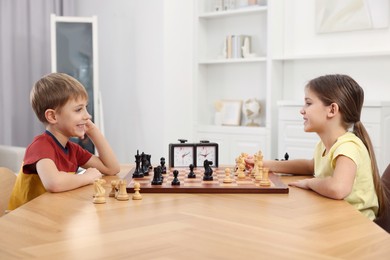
(181, 154)
(206, 150)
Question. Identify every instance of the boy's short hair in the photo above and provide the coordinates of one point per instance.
(53, 91)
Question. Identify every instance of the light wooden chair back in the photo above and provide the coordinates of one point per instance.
(7, 181)
(384, 219)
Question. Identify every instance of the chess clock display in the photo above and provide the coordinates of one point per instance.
(206, 151)
(181, 154)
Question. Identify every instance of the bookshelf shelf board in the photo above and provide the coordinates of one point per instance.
(240, 11)
(334, 55)
(226, 61)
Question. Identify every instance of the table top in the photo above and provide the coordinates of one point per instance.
(297, 225)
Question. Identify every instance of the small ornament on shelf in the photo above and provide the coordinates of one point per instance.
(246, 49)
(252, 110)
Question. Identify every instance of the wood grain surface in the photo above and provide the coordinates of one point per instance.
(297, 225)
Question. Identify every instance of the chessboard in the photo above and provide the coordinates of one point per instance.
(198, 185)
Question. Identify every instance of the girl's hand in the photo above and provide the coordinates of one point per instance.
(303, 184)
(249, 161)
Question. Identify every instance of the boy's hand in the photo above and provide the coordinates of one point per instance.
(89, 126)
(92, 174)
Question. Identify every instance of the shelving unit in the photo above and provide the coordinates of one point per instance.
(306, 54)
(219, 78)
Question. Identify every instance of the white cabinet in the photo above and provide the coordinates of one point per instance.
(221, 78)
(299, 144)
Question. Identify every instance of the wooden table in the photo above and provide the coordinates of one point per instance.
(298, 225)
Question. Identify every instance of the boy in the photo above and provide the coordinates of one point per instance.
(51, 160)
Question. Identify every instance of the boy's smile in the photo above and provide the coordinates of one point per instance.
(71, 120)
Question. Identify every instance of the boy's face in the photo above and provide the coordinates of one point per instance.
(72, 118)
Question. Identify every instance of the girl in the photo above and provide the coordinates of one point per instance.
(344, 164)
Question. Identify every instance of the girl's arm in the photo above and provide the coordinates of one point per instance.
(106, 162)
(297, 166)
(337, 186)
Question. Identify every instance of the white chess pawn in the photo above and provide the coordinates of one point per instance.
(137, 195)
(227, 178)
(240, 172)
(113, 189)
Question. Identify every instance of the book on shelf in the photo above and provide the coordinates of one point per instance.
(234, 44)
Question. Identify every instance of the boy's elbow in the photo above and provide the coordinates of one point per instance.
(53, 187)
(113, 170)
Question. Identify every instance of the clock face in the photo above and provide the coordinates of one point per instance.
(206, 152)
(183, 156)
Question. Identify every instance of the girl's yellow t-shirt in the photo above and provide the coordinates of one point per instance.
(363, 196)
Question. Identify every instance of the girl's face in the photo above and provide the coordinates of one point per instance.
(314, 113)
(72, 118)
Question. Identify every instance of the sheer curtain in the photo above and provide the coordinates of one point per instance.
(24, 58)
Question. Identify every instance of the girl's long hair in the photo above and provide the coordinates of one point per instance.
(346, 92)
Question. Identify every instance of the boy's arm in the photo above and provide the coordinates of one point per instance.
(106, 162)
(57, 181)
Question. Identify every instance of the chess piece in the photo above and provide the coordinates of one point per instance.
(241, 171)
(122, 193)
(208, 171)
(286, 156)
(157, 177)
(227, 178)
(191, 174)
(138, 172)
(175, 180)
(113, 189)
(137, 188)
(162, 164)
(144, 164)
(149, 161)
(99, 196)
(265, 180)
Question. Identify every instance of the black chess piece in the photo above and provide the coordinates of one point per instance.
(162, 164)
(157, 177)
(149, 161)
(137, 172)
(144, 164)
(208, 171)
(175, 180)
(191, 174)
(286, 156)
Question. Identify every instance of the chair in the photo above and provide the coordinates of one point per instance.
(11, 157)
(7, 181)
(384, 219)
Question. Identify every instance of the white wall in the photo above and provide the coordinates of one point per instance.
(145, 72)
(301, 40)
(146, 66)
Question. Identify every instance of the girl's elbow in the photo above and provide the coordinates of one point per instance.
(339, 193)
